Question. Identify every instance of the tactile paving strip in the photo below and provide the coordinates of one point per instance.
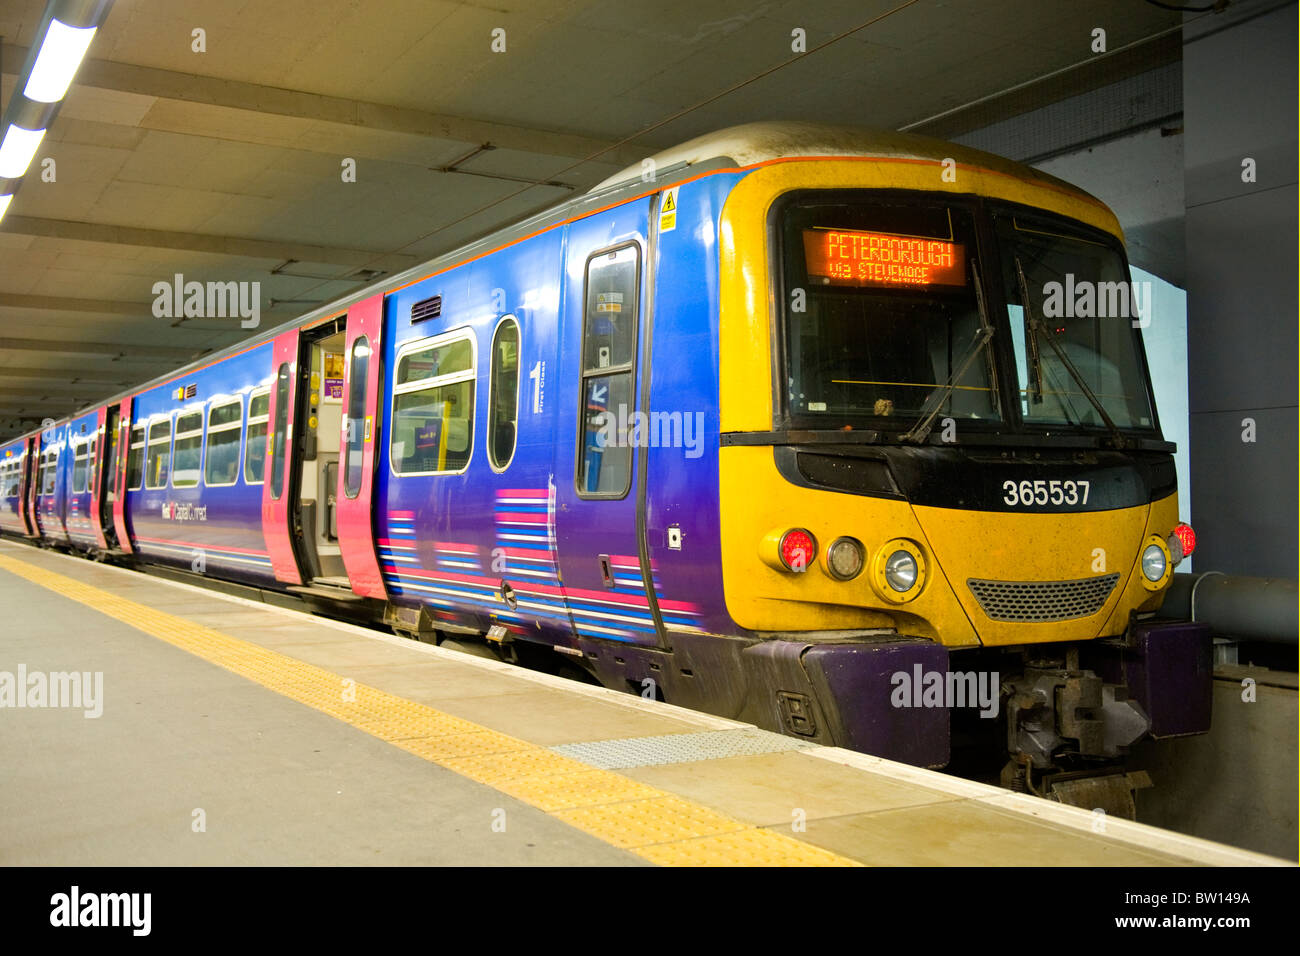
(679, 748)
(655, 825)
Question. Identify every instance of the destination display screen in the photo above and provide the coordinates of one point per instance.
(853, 258)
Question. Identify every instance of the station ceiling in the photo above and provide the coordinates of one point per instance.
(227, 164)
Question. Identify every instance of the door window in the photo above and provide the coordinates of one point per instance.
(609, 334)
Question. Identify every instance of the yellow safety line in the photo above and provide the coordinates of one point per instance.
(659, 826)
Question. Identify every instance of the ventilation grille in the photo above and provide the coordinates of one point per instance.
(1042, 600)
(427, 309)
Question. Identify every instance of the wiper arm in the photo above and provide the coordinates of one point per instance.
(1037, 328)
(921, 430)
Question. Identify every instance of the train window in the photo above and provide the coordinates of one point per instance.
(356, 412)
(135, 460)
(50, 472)
(80, 458)
(609, 333)
(1099, 345)
(433, 406)
(255, 436)
(503, 400)
(883, 313)
(90, 466)
(187, 452)
(222, 464)
(110, 465)
(283, 379)
(157, 462)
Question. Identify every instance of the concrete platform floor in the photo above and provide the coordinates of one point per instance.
(233, 732)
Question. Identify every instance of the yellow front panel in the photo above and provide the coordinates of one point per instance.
(757, 499)
(1001, 546)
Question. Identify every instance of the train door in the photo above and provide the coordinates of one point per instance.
(280, 488)
(602, 352)
(120, 482)
(359, 429)
(94, 478)
(27, 490)
(322, 382)
(102, 487)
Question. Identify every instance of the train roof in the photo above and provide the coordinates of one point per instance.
(754, 143)
(732, 147)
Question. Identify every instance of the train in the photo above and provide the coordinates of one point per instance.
(783, 424)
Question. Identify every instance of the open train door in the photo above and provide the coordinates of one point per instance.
(27, 488)
(354, 500)
(34, 483)
(279, 489)
(119, 465)
(97, 480)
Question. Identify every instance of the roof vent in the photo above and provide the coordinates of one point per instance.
(427, 309)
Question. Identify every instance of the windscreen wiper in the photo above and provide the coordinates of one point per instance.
(921, 430)
(1036, 328)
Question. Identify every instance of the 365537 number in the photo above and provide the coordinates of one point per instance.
(1043, 492)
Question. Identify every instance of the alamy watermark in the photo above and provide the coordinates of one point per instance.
(622, 429)
(948, 689)
(82, 690)
(179, 299)
(1085, 299)
(130, 910)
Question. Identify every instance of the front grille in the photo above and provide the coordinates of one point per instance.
(1042, 600)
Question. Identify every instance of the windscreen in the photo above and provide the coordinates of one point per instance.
(1081, 333)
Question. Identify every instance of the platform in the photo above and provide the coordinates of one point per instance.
(236, 732)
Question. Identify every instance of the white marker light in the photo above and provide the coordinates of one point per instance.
(4, 204)
(17, 150)
(57, 63)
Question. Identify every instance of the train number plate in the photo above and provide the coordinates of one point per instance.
(1026, 494)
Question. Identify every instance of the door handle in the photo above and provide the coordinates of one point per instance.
(606, 572)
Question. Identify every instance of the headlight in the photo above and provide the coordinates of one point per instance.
(1153, 563)
(1156, 563)
(845, 558)
(898, 571)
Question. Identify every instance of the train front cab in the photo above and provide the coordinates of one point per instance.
(879, 528)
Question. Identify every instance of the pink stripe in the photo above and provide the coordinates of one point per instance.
(454, 546)
(401, 514)
(686, 607)
(544, 556)
(523, 493)
(446, 577)
(521, 517)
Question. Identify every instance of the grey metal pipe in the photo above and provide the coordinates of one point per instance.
(1247, 608)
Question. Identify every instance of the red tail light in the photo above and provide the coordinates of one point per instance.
(1186, 537)
(798, 549)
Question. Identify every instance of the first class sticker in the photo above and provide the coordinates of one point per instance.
(845, 257)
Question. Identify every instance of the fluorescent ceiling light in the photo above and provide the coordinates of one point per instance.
(17, 150)
(57, 62)
(4, 204)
